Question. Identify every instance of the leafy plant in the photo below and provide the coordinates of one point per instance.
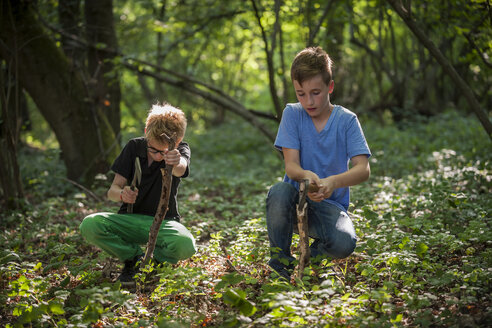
(423, 256)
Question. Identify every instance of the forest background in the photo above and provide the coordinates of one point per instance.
(78, 78)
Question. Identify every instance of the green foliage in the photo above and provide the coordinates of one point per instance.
(423, 257)
(378, 61)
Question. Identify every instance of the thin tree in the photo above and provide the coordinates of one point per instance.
(462, 86)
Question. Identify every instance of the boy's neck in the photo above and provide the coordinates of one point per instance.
(321, 120)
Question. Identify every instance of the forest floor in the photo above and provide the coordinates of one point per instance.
(424, 255)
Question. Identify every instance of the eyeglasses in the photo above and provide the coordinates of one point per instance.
(156, 151)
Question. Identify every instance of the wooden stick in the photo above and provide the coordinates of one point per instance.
(90, 193)
(302, 225)
(167, 178)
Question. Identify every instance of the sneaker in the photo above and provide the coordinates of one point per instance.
(283, 273)
(129, 271)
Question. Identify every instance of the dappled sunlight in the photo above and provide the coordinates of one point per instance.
(422, 256)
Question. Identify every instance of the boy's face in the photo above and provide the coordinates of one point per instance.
(156, 150)
(314, 96)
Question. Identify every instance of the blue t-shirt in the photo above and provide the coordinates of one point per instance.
(327, 152)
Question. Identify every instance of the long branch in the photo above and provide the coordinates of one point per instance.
(162, 208)
(237, 109)
(314, 32)
(128, 62)
(270, 64)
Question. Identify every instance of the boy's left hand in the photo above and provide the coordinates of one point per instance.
(326, 188)
(172, 157)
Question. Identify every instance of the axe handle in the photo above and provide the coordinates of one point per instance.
(129, 207)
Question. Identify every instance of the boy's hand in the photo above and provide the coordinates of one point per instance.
(328, 186)
(172, 157)
(128, 195)
(316, 196)
(325, 189)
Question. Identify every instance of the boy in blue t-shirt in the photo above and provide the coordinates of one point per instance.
(318, 139)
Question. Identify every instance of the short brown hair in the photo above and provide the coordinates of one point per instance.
(165, 119)
(309, 63)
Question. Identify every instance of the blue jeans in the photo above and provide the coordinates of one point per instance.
(329, 226)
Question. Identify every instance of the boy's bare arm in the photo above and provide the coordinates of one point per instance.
(293, 167)
(180, 169)
(359, 173)
(173, 157)
(120, 192)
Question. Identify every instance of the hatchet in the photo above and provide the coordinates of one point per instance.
(137, 176)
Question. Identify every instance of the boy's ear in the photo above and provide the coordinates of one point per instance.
(331, 86)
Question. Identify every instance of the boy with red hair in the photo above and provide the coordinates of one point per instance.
(122, 234)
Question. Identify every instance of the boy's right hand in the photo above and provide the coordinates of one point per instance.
(128, 195)
(315, 196)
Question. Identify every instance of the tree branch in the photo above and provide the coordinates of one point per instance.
(314, 32)
(302, 226)
(188, 86)
(185, 82)
(167, 179)
(201, 27)
(270, 65)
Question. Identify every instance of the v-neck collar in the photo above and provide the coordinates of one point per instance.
(328, 122)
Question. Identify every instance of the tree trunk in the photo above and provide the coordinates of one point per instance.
(10, 119)
(105, 87)
(69, 17)
(59, 92)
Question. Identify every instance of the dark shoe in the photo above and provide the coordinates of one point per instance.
(129, 271)
(283, 272)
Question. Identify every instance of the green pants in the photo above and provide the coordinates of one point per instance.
(121, 235)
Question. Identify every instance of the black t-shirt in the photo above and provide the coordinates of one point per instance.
(149, 189)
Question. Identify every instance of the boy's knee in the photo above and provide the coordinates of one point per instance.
(186, 247)
(345, 250)
(341, 249)
(281, 190)
(281, 196)
(89, 226)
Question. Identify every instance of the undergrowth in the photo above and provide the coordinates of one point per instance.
(423, 256)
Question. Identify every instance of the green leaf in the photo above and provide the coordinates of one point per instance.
(239, 301)
(229, 279)
(398, 318)
(11, 256)
(65, 282)
(421, 249)
(56, 308)
(404, 242)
